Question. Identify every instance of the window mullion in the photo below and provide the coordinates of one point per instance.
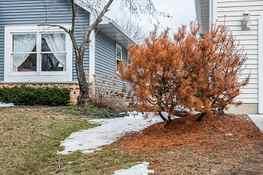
(38, 47)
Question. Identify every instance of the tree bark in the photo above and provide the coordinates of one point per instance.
(163, 118)
(83, 98)
(79, 50)
(201, 116)
(82, 80)
(167, 120)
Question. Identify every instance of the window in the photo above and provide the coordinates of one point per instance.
(24, 52)
(119, 56)
(43, 52)
(53, 52)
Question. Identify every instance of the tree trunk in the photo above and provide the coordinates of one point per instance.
(163, 118)
(167, 120)
(83, 98)
(201, 116)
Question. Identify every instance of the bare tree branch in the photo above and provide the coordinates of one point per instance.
(95, 24)
(73, 22)
(133, 29)
(56, 25)
(98, 8)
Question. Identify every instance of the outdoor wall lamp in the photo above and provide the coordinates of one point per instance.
(244, 22)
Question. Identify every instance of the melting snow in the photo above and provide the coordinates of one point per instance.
(140, 169)
(109, 131)
(5, 105)
(258, 120)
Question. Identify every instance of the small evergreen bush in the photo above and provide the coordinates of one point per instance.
(35, 96)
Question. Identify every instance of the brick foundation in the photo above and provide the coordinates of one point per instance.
(74, 88)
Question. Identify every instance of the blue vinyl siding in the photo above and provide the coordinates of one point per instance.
(105, 66)
(33, 12)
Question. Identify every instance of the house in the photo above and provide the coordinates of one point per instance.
(32, 52)
(244, 18)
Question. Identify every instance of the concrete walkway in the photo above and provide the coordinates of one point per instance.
(258, 120)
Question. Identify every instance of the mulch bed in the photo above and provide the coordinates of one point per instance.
(214, 146)
(187, 131)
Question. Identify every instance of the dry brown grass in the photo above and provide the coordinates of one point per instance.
(30, 138)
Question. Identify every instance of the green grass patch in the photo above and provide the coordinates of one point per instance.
(90, 111)
(30, 139)
(102, 162)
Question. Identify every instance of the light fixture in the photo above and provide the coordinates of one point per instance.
(244, 22)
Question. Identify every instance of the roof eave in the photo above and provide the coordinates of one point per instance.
(114, 31)
(107, 21)
(82, 4)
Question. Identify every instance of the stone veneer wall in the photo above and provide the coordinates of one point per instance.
(74, 88)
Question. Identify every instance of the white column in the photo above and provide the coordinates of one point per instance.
(212, 12)
(260, 65)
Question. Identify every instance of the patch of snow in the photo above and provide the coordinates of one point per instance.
(5, 105)
(109, 131)
(258, 121)
(140, 169)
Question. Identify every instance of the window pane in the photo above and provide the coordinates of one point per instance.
(25, 65)
(119, 52)
(53, 62)
(53, 42)
(23, 58)
(118, 65)
(24, 42)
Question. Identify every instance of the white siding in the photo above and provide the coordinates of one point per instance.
(230, 13)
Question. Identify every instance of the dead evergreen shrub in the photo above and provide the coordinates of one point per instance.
(187, 72)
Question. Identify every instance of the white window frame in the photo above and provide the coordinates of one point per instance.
(118, 46)
(38, 76)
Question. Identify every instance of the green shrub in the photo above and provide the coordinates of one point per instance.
(35, 96)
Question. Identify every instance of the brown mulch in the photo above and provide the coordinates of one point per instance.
(221, 145)
(187, 131)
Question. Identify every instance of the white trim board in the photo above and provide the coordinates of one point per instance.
(260, 65)
(10, 76)
(212, 12)
(92, 58)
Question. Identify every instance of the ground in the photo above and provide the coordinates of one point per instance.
(228, 145)
(30, 139)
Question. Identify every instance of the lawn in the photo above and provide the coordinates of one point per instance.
(30, 139)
